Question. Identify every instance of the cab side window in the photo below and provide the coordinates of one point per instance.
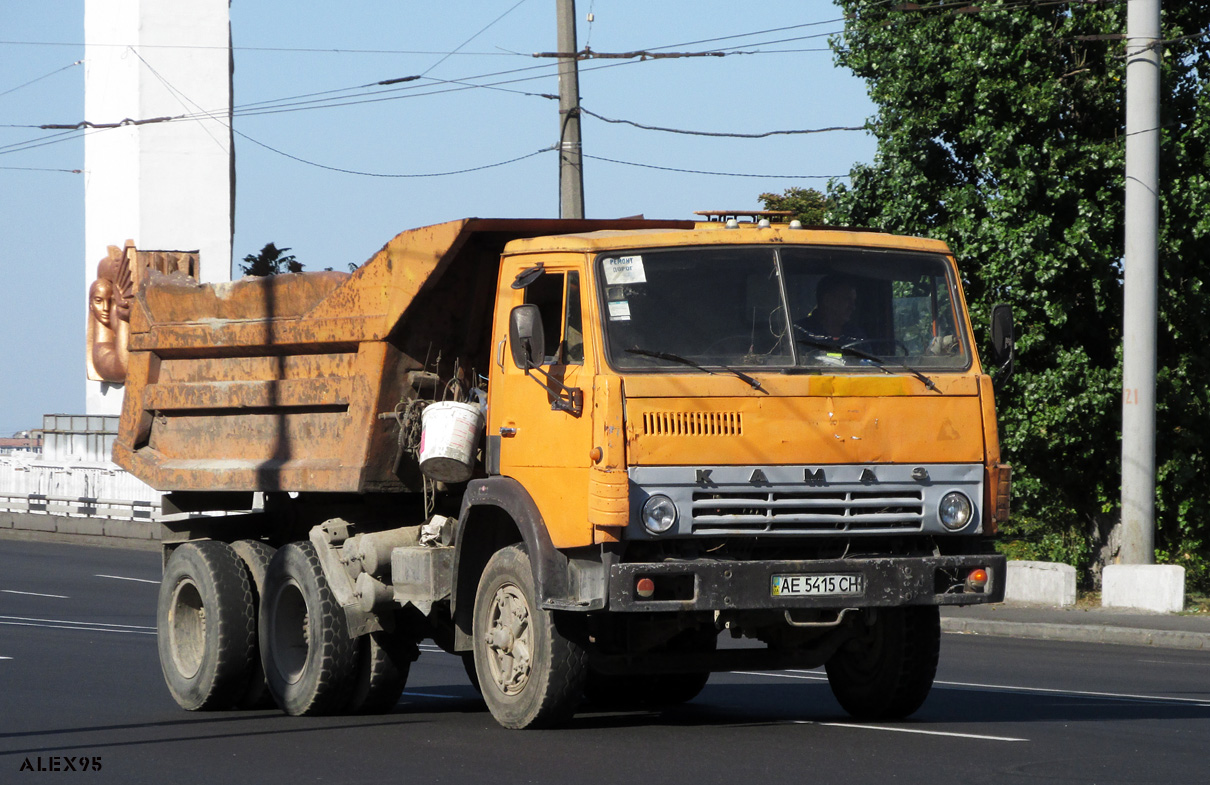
(557, 296)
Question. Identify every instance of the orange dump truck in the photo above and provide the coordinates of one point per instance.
(576, 453)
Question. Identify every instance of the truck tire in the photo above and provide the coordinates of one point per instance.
(529, 673)
(886, 672)
(204, 620)
(383, 662)
(629, 691)
(468, 665)
(256, 556)
(308, 656)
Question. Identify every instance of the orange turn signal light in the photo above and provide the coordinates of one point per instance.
(977, 580)
(644, 587)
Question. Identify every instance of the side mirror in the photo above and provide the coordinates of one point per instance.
(1003, 343)
(525, 336)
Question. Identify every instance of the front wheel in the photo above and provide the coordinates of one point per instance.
(529, 673)
(887, 670)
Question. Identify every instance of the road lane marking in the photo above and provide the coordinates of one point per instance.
(76, 626)
(919, 731)
(35, 594)
(66, 624)
(123, 578)
(5, 658)
(790, 675)
(1120, 696)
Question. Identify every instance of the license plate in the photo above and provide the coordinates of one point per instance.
(817, 585)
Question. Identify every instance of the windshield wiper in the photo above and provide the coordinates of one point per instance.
(813, 341)
(676, 358)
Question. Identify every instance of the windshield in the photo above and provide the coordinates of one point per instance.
(788, 307)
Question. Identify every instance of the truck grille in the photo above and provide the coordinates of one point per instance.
(825, 510)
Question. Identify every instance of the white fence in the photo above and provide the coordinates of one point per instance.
(31, 484)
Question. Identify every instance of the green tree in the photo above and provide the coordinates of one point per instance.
(808, 205)
(270, 261)
(1000, 130)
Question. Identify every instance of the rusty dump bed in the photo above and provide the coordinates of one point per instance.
(288, 382)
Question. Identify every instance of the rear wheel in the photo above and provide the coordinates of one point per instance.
(256, 556)
(383, 662)
(887, 670)
(204, 621)
(308, 656)
(529, 673)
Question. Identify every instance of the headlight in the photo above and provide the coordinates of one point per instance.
(659, 514)
(955, 510)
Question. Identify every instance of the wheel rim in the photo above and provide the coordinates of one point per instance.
(291, 632)
(187, 630)
(509, 639)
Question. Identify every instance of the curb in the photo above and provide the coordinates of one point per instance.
(1081, 633)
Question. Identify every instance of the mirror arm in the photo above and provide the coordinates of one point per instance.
(574, 400)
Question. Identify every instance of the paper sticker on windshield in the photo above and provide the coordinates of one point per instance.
(619, 311)
(625, 269)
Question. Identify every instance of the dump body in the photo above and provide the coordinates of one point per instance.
(290, 382)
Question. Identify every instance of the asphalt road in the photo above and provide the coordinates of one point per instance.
(80, 686)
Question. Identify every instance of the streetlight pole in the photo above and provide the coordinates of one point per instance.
(1141, 277)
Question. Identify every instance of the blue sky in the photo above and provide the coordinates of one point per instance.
(780, 78)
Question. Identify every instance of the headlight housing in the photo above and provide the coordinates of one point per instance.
(658, 514)
(955, 510)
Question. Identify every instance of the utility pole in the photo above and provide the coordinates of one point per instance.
(1141, 267)
(571, 169)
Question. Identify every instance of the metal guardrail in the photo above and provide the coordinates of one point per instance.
(80, 507)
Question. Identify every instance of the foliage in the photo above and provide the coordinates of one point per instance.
(808, 205)
(270, 261)
(1000, 130)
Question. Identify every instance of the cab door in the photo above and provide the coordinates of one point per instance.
(542, 444)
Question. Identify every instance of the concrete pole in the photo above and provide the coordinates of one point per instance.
(1141, 266)
(571, 169)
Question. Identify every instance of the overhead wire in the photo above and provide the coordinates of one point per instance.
(390, 174)
(274, 106)
(476, 35)
(40, 78)
(733, 135)
(717, 174)
(40, 169)
(285, 49)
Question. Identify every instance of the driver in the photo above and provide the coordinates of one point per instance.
(836, 302)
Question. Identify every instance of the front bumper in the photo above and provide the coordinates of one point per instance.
(709, 585)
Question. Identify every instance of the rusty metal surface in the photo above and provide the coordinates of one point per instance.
(277, 383)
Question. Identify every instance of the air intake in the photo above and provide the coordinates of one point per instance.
(693, 424)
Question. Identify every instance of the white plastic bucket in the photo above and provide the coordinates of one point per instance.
(449, 432)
